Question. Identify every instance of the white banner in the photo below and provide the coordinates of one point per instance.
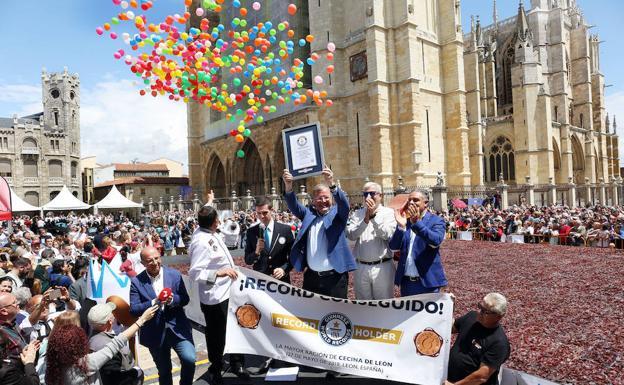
(107, 280)
(404, 339)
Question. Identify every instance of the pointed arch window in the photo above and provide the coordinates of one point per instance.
(501, 159)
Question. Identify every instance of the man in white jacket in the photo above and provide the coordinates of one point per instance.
(371, 227)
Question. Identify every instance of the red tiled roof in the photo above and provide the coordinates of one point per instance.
(146, 180)
(140, 167)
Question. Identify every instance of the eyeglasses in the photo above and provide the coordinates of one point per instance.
(485, 311)
(367, 194)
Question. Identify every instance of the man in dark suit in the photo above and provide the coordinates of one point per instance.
(169, 329)
(418, 236)
(269, 244)
(321, 245)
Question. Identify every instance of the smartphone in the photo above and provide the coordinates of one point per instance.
(55, 294)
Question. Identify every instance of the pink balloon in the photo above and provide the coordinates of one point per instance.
(116, 2)
(199, 12)
(256, 6)
(99, 30)
(331, 47)
(318, 79)
(113, 35)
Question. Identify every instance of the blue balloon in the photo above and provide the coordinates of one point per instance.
(302, 42)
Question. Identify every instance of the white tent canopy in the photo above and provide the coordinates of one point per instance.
(19, 205)
(115, 200)
(65, 201)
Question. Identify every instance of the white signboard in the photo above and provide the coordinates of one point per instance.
(402, 339)
(107, 280)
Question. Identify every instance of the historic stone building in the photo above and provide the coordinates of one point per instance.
(414, 97)
(40, 153)
(535, 99)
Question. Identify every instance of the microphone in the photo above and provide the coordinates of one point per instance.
(261, 230)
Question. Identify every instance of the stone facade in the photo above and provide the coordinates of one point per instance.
(428, 103)
(40, 153)
(536, 102)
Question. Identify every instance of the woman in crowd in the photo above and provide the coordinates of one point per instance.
(69, 361)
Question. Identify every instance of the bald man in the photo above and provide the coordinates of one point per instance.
(11, 341)
(418, 237)
(169, 329)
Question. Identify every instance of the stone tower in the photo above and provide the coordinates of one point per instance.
(61, 128)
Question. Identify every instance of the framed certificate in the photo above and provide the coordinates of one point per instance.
(303, 150)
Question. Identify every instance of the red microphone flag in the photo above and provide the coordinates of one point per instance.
(6, 213)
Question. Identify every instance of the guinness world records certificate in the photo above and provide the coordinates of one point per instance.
(303, 150)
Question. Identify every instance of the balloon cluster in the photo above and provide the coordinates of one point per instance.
(242, 70)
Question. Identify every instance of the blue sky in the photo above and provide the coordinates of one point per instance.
(118, 124)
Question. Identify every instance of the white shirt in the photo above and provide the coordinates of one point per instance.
(157, 281)
(371, 239)
(317, 247)
(208, 255)
(410, 265)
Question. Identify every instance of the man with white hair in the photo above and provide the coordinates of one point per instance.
(371, 227)
(121, 369)
(481, 346)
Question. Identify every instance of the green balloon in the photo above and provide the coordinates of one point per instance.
(247, 132)
(240, 153)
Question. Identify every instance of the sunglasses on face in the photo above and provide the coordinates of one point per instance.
(367, 194)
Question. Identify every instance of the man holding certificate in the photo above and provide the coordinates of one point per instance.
(321, 247)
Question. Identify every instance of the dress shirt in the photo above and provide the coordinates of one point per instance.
(269, 234)
(317, 247)
(208, 255)
(410, 264)
(371, 239)
(157, 281)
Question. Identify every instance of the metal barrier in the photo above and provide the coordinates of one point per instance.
(565, 240)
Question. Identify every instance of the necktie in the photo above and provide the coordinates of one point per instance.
(267, 238)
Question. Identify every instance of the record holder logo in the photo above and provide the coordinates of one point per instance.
(335, 329)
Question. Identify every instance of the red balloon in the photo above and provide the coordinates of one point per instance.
(292, 9)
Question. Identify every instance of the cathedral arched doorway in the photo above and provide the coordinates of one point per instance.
(216, 177)
(578, 161)
(557, 162)
(249, 172)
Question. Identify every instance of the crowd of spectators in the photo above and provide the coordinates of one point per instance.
(594, 226)
(50, 332)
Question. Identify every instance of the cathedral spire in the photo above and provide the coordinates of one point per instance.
(523, 32)
(495, 16)
(614, 125)
(607, 124)
(478, 32)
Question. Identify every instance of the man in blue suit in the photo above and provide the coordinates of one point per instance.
(321, 247)
(169, 329)
(418, 236)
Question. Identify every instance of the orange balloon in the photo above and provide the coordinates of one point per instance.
(122, 310)
(292, 9)
(310, 38)
(243, 12)
(239, 138)
(330, 69)
(330, 56)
